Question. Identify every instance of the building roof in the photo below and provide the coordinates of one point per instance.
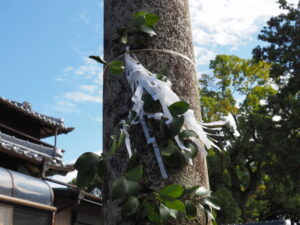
(53, 124)
(78, 194)
(18, 185)
(35, 153)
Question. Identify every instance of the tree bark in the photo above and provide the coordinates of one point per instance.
(173, 33)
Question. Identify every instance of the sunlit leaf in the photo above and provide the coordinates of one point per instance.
(173, 191)
(151, 19)
(116, 67)
(175, 204)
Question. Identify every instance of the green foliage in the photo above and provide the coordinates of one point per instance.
(116, 67)
(172, 191)
(171, 202)
(140, 24)
(176, 125)
(131, 206)
(256, 178)
(89, 166)
(233, 76)
(169, 150)
(178, 108)
(150, 105)
(282, 49)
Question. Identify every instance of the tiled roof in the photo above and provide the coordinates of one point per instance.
(26, 109)
(31, 151)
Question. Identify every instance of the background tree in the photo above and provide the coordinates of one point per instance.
(257, 178)
(237, 88)
(283, 51)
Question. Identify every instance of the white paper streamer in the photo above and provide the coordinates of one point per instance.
(127, 138)
(140, 80)
(152, 140)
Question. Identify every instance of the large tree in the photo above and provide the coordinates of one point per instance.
(236, 89)
(283, 50)
(257, 177)
(173, 33)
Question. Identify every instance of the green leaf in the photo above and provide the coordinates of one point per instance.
(178, 108)
(176, 125)
(85, 177)
(141, 13)
(131, 206)
(208, 202)
(101, 169)
(207, 213)
(131, 117)
(214, 222)
(135, 174)
(133, 162)
(121, 139)
(139, 21)
(124, 38)
(164, 130)
(113, 147)
(193, 147)
(169, 150)
(175, 204)
(150, 105)
(151, 19)
(98, 59)
(187, 134)
(164, 213)
(119, 188)
(172, 160)
(152, 213)
(173, 191)
(86, 160)
(148, 30)
(117, 67)
(190, 190)
(133, 187)
(201, 191)
(190, 208)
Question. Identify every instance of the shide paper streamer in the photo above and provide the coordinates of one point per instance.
(143, 81)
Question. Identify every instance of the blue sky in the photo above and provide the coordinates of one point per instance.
(43, 60)
(44, 49)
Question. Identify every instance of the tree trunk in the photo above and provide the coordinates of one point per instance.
(173, 33)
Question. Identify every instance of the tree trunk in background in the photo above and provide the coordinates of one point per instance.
(173, 33)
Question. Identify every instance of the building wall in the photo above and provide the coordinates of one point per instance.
(84, 213)
(64, 217)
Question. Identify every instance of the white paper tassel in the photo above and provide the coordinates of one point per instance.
(140, 80)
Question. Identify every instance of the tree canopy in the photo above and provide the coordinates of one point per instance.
(257, 177)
